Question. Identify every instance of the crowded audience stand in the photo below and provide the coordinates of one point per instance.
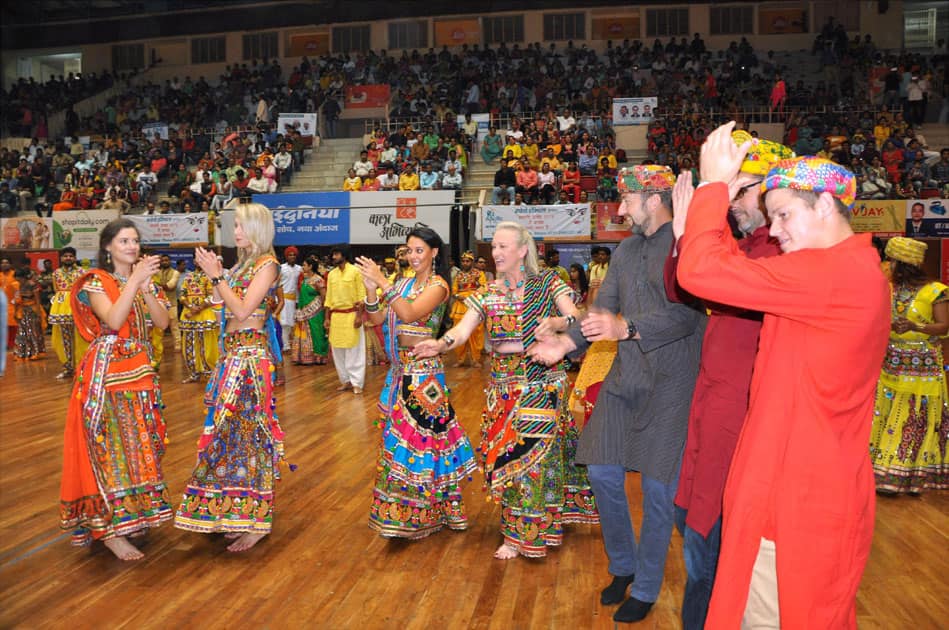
(550, 116)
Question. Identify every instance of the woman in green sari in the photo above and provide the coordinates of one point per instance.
(308, 344)
(491, 146)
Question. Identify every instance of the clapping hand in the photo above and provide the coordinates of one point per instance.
(549, 326)
(371, 274)
(681, 198)
(208, 262)
(143, 270)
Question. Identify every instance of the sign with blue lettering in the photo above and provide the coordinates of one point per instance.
(309, 218)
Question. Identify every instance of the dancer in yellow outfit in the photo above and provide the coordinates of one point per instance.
(911, 415)
(69, 346)
(199, 325)
(467, 282)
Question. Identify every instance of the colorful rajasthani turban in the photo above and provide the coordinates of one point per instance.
(645, 178)
(762, 155)
(467, 256)
(906, 250)
(389, 259)
(291, 250)
(814, 174)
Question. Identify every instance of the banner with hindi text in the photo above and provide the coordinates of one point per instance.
(555, 221)
(172, 230)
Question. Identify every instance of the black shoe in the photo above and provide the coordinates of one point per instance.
(632, 610)
(616, 591)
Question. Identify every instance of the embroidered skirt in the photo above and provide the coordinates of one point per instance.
(528, 445)
(112, 483)
(424, 455)
(232, 486)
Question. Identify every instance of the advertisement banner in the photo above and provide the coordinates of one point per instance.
(365, 96)
(80, 229)
(457, 32)
(559, 221)
(150, 129)
(386, 217)
(781, 21)
(172, 230)
(27, 233)
(305, 123)
(883, 218)
(926, 218)
(609, 225)
(634, 111)
(616, 28)
(310, 218)
(308, 44)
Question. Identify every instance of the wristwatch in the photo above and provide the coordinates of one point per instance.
(631, 330)
(216, 281)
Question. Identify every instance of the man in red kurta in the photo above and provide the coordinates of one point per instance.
(799, 498)
(720, 401)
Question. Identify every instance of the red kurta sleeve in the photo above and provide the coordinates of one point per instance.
(713, 267)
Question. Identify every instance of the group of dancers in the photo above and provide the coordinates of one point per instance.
(796, 459)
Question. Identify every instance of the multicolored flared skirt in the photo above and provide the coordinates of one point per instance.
(112, 482)
(29, 342)
(424, 456)
(232, 486)
(911, 420)
(528, 445)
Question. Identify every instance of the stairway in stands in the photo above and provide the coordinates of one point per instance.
(325, 168)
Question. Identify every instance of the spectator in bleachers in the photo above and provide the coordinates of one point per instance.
(260, 184)
(352, 182)
(388, 180)
(505, 181)
(526, 182)
(223, 193)
(452, 179)
(491, 146)
(9, 203)
(113, 202)
(370, 182)
(363, 165)
(283, 162)
(546, 184)
(570, 182)
(428, 179)
(409, 179)
(146, 180)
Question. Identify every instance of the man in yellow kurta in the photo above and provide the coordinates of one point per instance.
(345, 298)
(467, 282)
(69, 346)
(199, 326)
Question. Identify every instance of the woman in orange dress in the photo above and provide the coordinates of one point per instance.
(112, 485)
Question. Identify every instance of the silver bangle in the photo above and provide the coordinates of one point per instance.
(449, 341)
(570, 320)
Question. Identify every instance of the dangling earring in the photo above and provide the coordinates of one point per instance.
(108, 258)
(522, 269)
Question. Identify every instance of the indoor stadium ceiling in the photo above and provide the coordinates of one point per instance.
(25, 23)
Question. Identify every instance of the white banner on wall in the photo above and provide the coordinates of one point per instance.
(305, 123)
(558, 221)
(171, 230)
(386, 217)
(634, 111)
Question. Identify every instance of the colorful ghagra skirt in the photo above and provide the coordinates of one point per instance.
(232, 486)
(528, 446)
(112, 483)
(908, 442)
(424, 456)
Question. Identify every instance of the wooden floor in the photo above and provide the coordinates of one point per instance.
(322, 567)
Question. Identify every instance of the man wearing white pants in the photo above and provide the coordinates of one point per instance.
(345, 298)
(289, 278)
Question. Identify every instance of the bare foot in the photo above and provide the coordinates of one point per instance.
(233, 535)
(343, 387)
(505, 552)
(245, 542)
(123, 549)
